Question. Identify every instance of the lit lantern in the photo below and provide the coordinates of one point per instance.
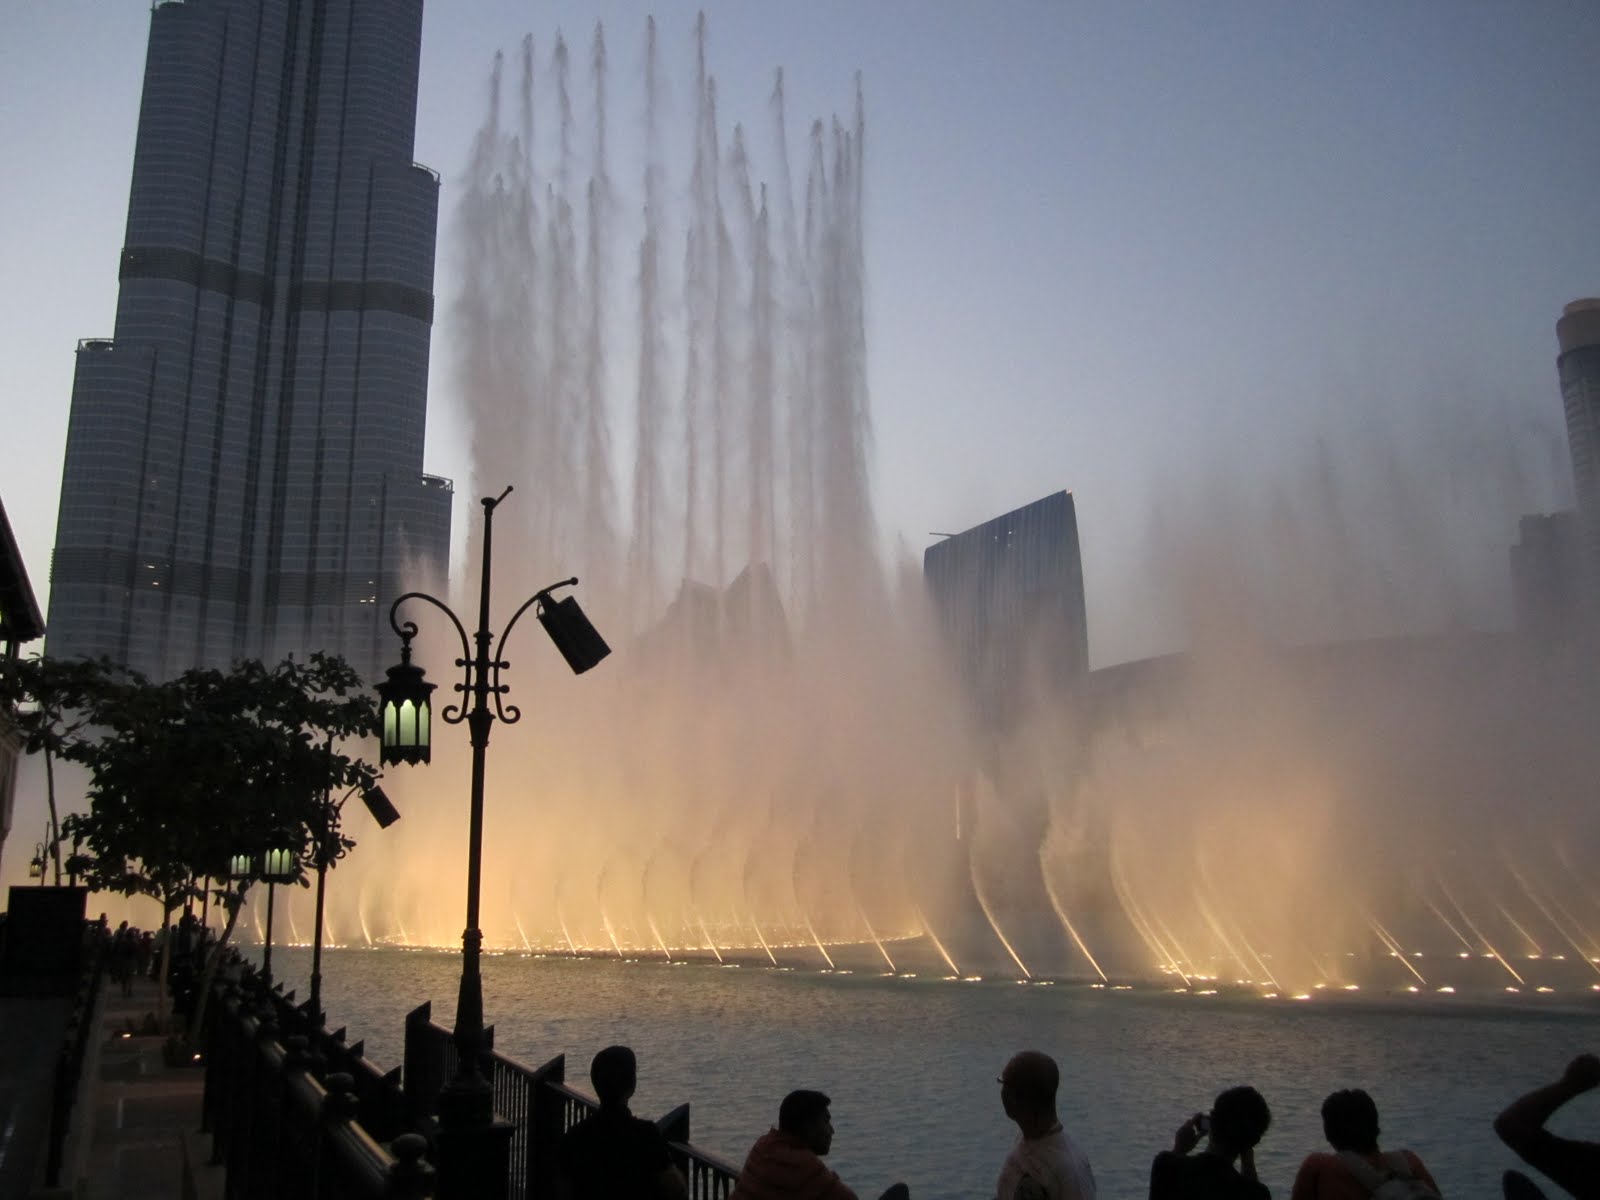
(405, 712)
(242, 866)
(279, 865)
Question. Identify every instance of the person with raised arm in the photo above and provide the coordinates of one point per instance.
(1572, 1163)
(1238, 1120)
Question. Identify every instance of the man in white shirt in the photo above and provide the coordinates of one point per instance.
(1045, 1164)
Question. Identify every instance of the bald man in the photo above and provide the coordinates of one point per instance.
(1045, 1164)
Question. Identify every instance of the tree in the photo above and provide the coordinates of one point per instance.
(48, 699)
(187, 773)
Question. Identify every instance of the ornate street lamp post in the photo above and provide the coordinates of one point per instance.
(272, 867)
(468, 1167)
(329, 850)
(41, 858)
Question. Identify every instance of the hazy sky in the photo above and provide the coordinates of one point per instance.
(1130, 249)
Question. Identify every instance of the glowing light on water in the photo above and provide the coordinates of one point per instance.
(983, 903)
(1135, 912)
(1066, 923)
(821, 949)
(660, 941)
(705, 933)
(1560, 926)
(876, 941)
(562, 921)
(1394, 947)
(1446, 922)
(1534, 949)
(937, 944)
(756, 925)
(1477, 933)
(611, 933)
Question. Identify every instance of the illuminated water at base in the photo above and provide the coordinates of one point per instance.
(910, 1062)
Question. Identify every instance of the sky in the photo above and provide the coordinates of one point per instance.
(1169, 256)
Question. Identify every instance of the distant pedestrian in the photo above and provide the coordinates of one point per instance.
(124, 957)
(786, 1162)
(1238, 1120)
(1357, 1168)
(612, 1154)
(1574, 1164)
(1045, 1164)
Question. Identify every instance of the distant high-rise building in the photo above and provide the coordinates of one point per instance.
(1009, 596)
(243, 471)
(1578, 335)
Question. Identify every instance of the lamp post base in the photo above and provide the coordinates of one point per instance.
(474, 1149)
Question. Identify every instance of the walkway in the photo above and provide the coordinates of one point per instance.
(143, 1116)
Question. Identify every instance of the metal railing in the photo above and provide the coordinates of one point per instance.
(540, 1106)
(280, 1130)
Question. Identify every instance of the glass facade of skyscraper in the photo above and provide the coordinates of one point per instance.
(1009, 597)
(243, 472)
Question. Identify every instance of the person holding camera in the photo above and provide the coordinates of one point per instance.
(1238, 1119)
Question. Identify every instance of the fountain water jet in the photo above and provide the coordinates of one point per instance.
(676, 353)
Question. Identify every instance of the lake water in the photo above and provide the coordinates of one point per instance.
(911, 1062)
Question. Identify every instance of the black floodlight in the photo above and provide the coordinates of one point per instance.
(578, 640)
(379, 805)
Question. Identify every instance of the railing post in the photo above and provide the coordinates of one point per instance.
(411, 1177)
(544, 1127)
(674, 1128)
(339, 1108)
(423, 1072)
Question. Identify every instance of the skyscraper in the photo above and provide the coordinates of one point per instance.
(1578, 364)
(243, 472)
(1009, 595)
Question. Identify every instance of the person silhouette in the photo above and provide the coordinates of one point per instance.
(1572, 1163)
(1238, 1120)
(786, 1162)
(612, 1153)
(1044, 1164)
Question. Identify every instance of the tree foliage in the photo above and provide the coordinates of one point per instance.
(48, 699)
(187, 773)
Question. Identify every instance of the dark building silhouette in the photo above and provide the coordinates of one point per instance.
(243, 470)
(1549, 576)
(1009, 597)
(20, 623)
(1555, 565)
(1578, 364)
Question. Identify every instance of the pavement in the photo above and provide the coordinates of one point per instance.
(136, 1128)
(31, 1029)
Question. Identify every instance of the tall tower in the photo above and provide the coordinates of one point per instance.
(1578, 334)
(243, 472)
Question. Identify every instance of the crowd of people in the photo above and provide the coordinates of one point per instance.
(133, 952)
(612, 1153)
